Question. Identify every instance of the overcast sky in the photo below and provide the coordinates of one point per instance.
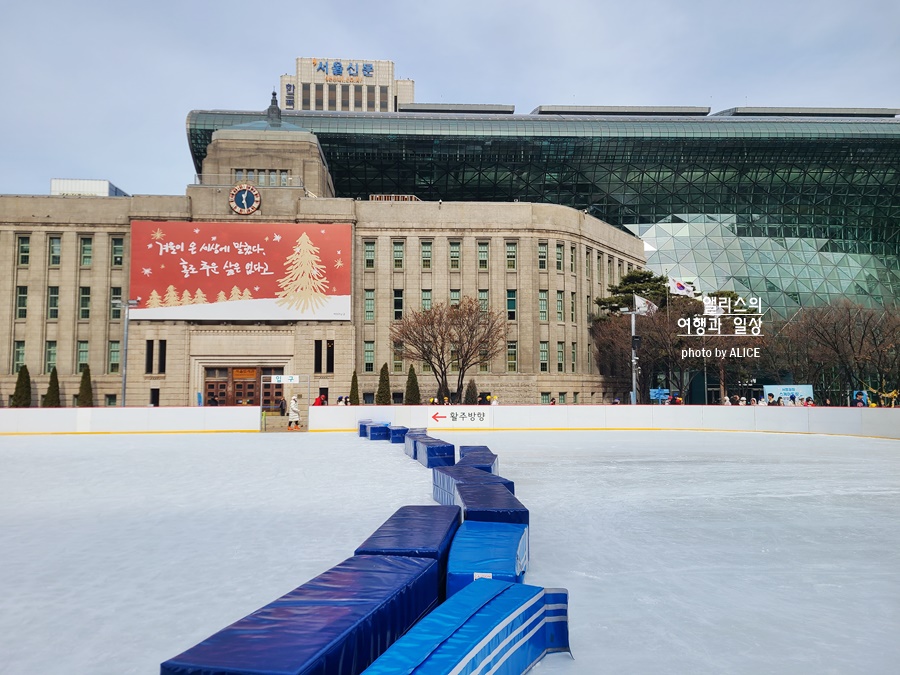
(100, 89)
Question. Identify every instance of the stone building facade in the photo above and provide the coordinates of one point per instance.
(69, 261)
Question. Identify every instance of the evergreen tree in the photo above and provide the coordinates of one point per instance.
(22, 395)
(51, 400)
(86, 390)
(354, 390)
(471, 397)
(413, 396)
(637, 282)
(383, 395)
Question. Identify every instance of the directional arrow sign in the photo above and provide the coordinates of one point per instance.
(437, 417)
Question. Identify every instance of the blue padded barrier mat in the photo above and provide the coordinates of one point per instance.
(490, 502)
(379, 432)
(431, 452)
(364, 428)
(339, 622)
(445, 478)
(409, 443)
(484, 460)
(489, 626)
(417, 531)
(398, 434)
(466, 449)
(484, 550)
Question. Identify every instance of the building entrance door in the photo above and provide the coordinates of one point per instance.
(241, 386)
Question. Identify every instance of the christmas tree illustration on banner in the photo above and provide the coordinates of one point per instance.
(305, 283)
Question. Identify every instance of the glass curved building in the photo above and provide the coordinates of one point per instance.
(798, 206)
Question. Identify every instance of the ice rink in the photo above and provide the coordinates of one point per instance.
(683, 552)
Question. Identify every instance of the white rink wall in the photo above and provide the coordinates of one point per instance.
(128, 420)
(869, 422)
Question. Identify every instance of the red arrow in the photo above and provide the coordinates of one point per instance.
(437, 417)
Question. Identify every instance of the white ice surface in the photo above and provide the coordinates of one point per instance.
(683, 552)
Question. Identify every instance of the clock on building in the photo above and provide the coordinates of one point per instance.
(244, 199)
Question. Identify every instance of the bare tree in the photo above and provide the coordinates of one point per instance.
(451, 337)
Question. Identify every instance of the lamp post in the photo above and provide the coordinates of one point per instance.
(126, 306)
(635, 343)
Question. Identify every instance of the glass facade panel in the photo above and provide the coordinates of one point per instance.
(822, 193)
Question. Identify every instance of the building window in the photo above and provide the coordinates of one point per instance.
(511, 255)
(590, 307)
(55, 251)
(398, 304)
(398, 255)
(599, 267)
(304, 96)
(110, 400)
(323, 355)
(545, 357)
(545, 398)
(542, 255)
(483, 302)
(21, 302)
(398, 357)
(345, 97)
(369, 254)
(357, 97)
(572, 259)
(572, 307)
(512, 357)
(588, 254)
(369, 356)
(24, 250)
(560, 357)
(117, 251)
(426, 255)
(148, 357)
(454, 360)
(320, 97)
(484, 365)
(559, 257)
(562, 398)
(87, 251)
(426, 300)
(50, 356)
(454, 255)
(161, 364)
(112, 357)
(52, 302)
(575, 397)
(426, 367)
(332, 97)
(559, 306)
(84, 302)
(542, 305)
(115, 302)
(574, 356)
(369, 304)
(510, 305)
(609, 271)
(18, 355)
(82, 356)
(370, 98)
(384, 99)
(482, 255)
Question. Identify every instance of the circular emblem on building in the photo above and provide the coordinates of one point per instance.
(244, 199)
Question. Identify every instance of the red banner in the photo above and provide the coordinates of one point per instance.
(240, 271)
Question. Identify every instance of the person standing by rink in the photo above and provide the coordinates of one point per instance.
(294, 414)
(282, 406)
